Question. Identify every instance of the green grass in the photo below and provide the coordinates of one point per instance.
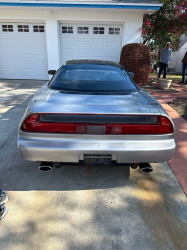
(174, 77)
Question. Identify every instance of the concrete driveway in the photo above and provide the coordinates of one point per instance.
(83, 208)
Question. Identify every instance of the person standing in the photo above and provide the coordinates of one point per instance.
(3, 200)
(184, 68)
(165, 58)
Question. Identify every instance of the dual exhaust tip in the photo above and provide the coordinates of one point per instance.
(46, 166)
(144, 167)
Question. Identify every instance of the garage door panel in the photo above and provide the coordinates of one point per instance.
(38, 43)
(39, 51)
(97, 58)
(68, 58)
(1, 58)
(26, 65)
(68, 44)
(67, 51)
(12, 59)
(23, 54)
(7, 43)
(24, 43)
(24, 50)
(82, 57)
(27, 72)
(40, 66)
(112, 58)
(98, 45)
(26, 58)
(9, 51)
(2, 73)
(40, 59)
(40, 72)
(10, 64)
(113, 45)
(112, 53)
(82, 45)
(13, 72)
(101, 42)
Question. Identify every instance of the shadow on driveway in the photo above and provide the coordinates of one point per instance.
(21, 175)
(84, 208)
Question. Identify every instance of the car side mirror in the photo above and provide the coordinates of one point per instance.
(131, 74)
(51, 72)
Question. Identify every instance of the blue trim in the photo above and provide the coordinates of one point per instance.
(103, 6)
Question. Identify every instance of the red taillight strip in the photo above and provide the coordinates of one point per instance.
(32, 124)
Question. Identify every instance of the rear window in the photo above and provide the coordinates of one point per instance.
(93, 79)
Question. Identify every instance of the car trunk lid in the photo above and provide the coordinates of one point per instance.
(132, 103)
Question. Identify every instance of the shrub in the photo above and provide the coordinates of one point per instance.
(135, 57)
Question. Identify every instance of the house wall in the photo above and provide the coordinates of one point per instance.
(176, 60)
(181, 54)
(131, 22)
(173, 62)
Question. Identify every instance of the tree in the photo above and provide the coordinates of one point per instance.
(135, 58)
(166, 25)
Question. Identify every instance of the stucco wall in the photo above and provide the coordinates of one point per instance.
(173, 62)
(177, 56)
(131, 22)
(181, 54)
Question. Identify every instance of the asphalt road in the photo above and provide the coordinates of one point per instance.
(83, 208)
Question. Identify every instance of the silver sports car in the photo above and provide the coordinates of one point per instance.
(92, 112)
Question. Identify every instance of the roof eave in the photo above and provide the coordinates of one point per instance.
(105, 5)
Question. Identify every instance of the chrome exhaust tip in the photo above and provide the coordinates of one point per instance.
(46, 166)
(145, 167)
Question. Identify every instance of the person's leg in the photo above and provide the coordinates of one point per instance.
(185, 69)
(3, 197)
(183, 72)
(160, 69)
(165, 69)
(3, 211)
(3, 200)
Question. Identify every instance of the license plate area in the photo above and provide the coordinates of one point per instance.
(94, 160)
(96, 130)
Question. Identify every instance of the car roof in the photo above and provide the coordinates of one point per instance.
(98, 62)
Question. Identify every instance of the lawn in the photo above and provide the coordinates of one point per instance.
(174, 77)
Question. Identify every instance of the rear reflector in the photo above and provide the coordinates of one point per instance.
(33, 124)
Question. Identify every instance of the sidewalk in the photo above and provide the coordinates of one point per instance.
(179, 161)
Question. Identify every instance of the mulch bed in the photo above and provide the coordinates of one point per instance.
(180, 106)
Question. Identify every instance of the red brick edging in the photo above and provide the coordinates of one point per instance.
(179, 161)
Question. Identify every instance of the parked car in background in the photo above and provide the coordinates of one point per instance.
(92, 112)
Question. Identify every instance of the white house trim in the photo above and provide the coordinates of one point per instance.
(53, 47)
(155, 6)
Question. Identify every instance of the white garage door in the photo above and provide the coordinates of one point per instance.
(102, 42)
(23, 53)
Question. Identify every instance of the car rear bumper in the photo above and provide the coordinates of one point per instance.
(73, 150)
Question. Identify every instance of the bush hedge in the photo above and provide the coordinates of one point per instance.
(135, 57)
